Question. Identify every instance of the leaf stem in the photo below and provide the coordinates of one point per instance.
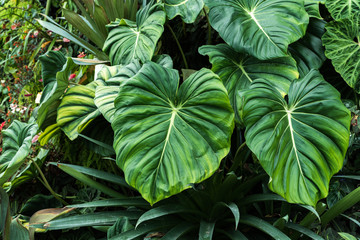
(47, 185)
(179, 46)
(209, 26)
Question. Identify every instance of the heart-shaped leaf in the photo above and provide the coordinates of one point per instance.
(105, 95)
(77, 109)
(16, 147)
(56, 70)
(187, 9)
(341, 9)
(167, 138)
(342, 46)
(309, 52)
(300, 143)
(238, 70)
(128, 40)
(259, 26)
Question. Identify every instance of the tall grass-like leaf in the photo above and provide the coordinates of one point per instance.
(177, 231)
(90, 219)
(166, 137)
(263, 226)
(206, 230)
(128, 202)
(56, 28)
(311, 130)
(259, 27)
(303, 230)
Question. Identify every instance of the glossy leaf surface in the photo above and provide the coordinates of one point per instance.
(51, 63)
(300, 143)
(105, 95)
(342, 46)
(128, 40)
(312, 8)
(187, 9)
(239, 70)
(309, 52)
(259, 26)
(168, 138)
(16, 147)
(77, 110)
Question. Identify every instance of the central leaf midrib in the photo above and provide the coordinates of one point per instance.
(251, 14)
(288, 112)
(171, 125)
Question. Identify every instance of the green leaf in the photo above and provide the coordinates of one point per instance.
(303, 230)
(16, 148)
(128, 202)
(239, 70)
(342, 46)
(77, 174)
(85, 27)
(312, 8)
(94, 173)
(130, 40)
(164, 60)
(177, 231)
(56, 28)
(105, 95)
(309, 51)
(161, 211)
(168, 138)
(187, 9)
(263, 226)
(18, 231)
(5, 211)
(340, 9)
(90, 219)
(122, 225)
(48, 133)
(56, 70)
(206, 230)
(311, 131)
(259, 26)
(347, 236)
(76, 110)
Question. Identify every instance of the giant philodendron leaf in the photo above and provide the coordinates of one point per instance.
(77, 109)
(238, 70)
(105, 95)
(187, 9)
(167, 138)
(341, 9)
(342, 46)
(130, 40)
(262, 28)
(16, 147)
(309, 52)
(300, 143)
(56, 70)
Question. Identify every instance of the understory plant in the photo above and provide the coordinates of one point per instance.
(223, 118)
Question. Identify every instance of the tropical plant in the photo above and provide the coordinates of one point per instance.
(252, 144)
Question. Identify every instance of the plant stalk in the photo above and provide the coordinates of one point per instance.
(48, 6)
(209, 27)
(179, 46)
(47, 185)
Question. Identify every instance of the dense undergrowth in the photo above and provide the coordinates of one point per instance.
(198, 119)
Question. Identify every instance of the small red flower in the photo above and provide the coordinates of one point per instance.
(73, 75)
(66, 40)
(40, 80)
(13, 27)
(81, 55)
